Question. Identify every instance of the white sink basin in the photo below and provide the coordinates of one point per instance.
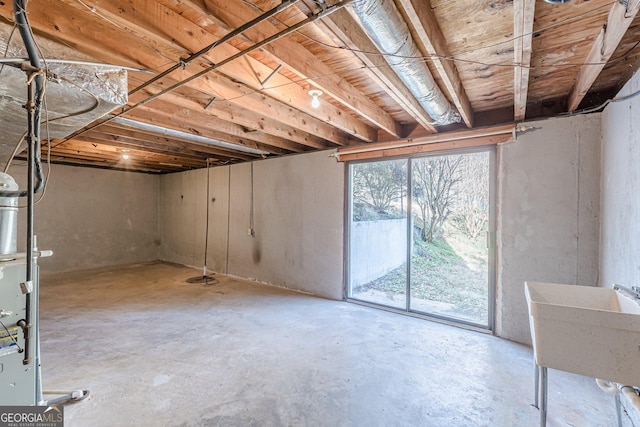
(585, 330)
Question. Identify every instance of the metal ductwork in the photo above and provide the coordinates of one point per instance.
(386, 28)
(77, 94)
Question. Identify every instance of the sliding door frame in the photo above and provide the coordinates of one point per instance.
(491, 239)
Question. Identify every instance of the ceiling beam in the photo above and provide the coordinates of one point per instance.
(523, 16)
(155, 22)
(130, 138)
(86, 150)
(434, 44)
(348, 33)
(302, 62)
(605, 44)
(91, 34)
(173, 106)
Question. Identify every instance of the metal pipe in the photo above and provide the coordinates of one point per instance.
(31, 143)
(184, 135)
(618, 409)
(18, 61)
(543, 396)
(536, 374)
(184, 61)
(213, 67)
(34, 98)
(244, 52)
(632, 292)
(387, 29)
(632, 401)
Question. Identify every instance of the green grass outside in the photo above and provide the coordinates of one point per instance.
(451, 269)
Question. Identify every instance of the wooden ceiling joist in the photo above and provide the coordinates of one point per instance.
(348, 33)
(117, 137)
(62, 26)
(154, 20)
(211, 98)
(523, 15)
(619, 19)
(99, 153)
(431, 39)
(299, 60)
(190, 111)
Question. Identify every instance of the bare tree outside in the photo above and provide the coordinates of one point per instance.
(380, 184)
(472, 201)
(448, 214)
(435, 191)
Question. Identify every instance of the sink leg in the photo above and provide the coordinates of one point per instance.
(543, 397)
(536, 375)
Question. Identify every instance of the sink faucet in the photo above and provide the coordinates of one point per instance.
(633, 292)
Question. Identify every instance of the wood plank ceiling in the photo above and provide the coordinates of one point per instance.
(496, 61)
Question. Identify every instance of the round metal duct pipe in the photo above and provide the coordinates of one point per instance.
(8, 216)
(385, 26)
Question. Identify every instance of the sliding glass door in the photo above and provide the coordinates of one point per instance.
(378, 245)
(420, 234)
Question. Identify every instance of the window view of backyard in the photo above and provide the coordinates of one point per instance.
(448, 221)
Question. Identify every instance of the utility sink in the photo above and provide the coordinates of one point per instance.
(585, 330)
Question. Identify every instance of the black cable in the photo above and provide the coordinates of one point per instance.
(20, 350)
(35, 77)
(96, 104)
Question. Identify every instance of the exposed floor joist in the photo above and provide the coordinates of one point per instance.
(431, 39)
(484, 56)
(296, 58)
(618, 21)
(349, 34)
(523, 16)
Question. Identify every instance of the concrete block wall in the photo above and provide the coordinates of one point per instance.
(298, 214)
(548, 213)
(93, 218)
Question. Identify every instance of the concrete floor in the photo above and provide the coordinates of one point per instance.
(157, 351)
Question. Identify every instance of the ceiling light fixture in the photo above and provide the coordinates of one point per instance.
(125, 154)
(315, 94)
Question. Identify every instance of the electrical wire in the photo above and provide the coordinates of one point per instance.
(48, 176)
(47, 121)
(20, 350)
(6, 49)
(604, 104)
(439, 57)
(419, 58)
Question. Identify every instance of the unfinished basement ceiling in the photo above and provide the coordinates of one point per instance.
(493, 61)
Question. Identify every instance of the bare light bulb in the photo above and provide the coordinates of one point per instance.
(315, 97)
(125, 156)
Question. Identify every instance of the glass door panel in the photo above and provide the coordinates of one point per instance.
(378, 233)
(449, 273)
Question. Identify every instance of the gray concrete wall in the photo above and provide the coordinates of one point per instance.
(548, 213)
(298, 205)
(548, 218)
(94, 218)
(377, 247)
(620, 204)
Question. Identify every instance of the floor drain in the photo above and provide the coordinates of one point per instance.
(203, 280)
